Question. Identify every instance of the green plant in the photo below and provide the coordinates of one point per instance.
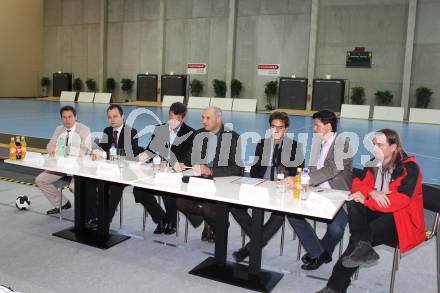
(384, 98)
(45, 82)
(270, 91)
(110, 84)
(77, 84)
(127, 85)
(236, 87)
(357, 95)
(196, 87)
(423, 96)
(219, 88)
(91, 85)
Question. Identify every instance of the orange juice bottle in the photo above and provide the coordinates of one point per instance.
(297, 184)
(12, 149)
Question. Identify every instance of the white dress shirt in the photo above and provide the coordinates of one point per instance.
(325, 147)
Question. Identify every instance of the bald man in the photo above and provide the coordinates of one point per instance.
(216, 152)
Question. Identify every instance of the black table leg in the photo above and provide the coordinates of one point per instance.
(102, 237)
(219, 269)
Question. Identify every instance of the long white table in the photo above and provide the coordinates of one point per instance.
(227, 192)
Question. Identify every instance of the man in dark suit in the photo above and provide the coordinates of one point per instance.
(172, 141)
(216, 152)
(124, 138)
(273, 152)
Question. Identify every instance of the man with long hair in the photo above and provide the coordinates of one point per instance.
(385, 207)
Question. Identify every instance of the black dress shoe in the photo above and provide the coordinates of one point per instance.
(92, 224)
(315, 263)
(362, 255)
(160, 227)
(241, 254)
(205, 233)
(57, 210)
(169, 229)
(306, 258)
(211, 235)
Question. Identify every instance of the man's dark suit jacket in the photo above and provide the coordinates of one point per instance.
(127, 133)
(227, 159)
(160, 140)
(290, 150)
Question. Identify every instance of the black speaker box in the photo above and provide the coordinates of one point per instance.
(292, 93)
(328, 94)
(172, 85)
(61, 81)
(146, 87)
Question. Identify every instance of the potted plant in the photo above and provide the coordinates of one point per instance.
(270, 91)
(45, 83)
(77, 84)
(91, 85)
(423, 96)
(357, 95)
(384, 98)
(236, 87)
(127, 86)
(196, 86)
(110, 84)
(219, 88)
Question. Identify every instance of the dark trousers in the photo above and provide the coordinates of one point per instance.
(272, 225)
(197, 211)
(312, 244)
(114, 196)
(365, 225)
(148, 200)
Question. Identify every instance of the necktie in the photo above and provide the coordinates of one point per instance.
(274, 160)
(115, 137)
(67, 137)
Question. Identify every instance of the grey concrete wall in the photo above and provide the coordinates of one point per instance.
(268, 31)
(380, 27)
(426, 59)
(271, 31)
(71, 37)
(196, 31)
(132, 40)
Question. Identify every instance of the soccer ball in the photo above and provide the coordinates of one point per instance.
(22, 202)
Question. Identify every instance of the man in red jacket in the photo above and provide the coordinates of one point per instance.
(386, 207)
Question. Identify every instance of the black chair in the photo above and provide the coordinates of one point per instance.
(431, 202)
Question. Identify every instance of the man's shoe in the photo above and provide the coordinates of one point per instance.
(328, 290)
(160, 227)
(362, 255)
(306, 258)
(66, 206)
(169, 229)
(57, 210)
(92, 224)
(240, 254)
(205, 233)
(211, 235)
(315, 263)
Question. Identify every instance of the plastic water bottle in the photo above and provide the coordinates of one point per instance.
(156, 163)
(61, 147)
(112, 153)
(305, 181)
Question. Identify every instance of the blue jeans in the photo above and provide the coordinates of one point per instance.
(312, 244)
